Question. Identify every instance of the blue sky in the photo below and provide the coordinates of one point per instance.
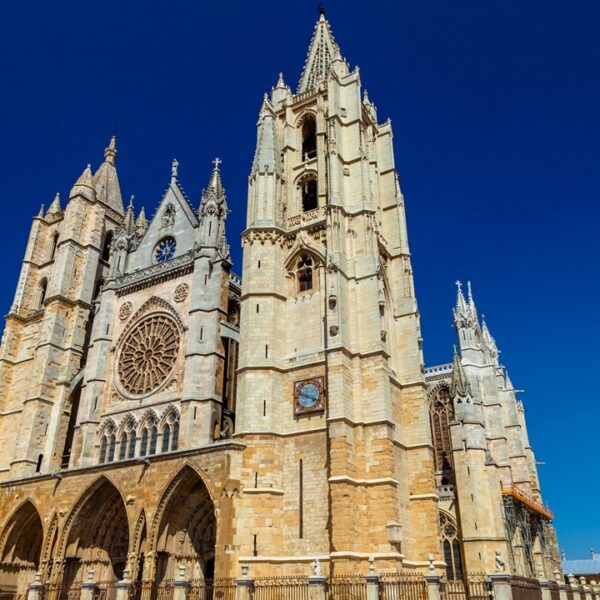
(495, 112)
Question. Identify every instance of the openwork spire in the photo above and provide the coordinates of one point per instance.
(322, 51)
(129, 222)
(267, 156)
(489, 342)
(106, 181)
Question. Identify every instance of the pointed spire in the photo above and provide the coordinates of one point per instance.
(129, 222)
(267, 156)
(42, 209)
(86, 177)
(215, 179)
(106, 181)
(489, 342)
(110, 153)
(55, 208)
(141, 224)
(461, 304)
(460, 386)
(84, 185)
(471, 301)
(322, 51)
(280, 82)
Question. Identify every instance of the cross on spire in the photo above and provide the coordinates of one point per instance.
(217, 161)
(458, 285)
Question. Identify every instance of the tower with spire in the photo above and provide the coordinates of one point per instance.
(330, 386)
(67, 258)
(489, 492)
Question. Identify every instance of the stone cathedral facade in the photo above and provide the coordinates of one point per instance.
(157, 410)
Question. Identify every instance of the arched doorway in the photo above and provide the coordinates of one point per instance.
(21, 547)
(187, 530)
(98, 538)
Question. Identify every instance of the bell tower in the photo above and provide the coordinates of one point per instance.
(46, 337)
(331, 391)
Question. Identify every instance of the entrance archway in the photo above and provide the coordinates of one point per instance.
(187, 530)
(21, 546)
(98, 538)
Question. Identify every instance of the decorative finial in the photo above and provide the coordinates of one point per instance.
(131, 199)
(174, 165)
(455, 349)
(280, 81)
(371, 565)
(469, 291)
(458, 285)
(431, 565)
(366, 97)
(217, 162)
(110, 153)
(42, 209)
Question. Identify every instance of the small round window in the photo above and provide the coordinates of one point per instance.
(165, 250)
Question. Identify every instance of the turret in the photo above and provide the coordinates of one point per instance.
(213, 214)
(467, 326)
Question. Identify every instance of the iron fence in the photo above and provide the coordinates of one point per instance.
(347, 587)
(212, 589)
(402, 586)
(280, 588)
(474, 587)
(524, 588)
(554, 590)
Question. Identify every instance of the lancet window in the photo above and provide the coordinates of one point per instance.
(107, 244)
(41, 294)
(309, 195)
(170, 433)
(304, 273)
(451, 547)
(441, 413)
(309, 138)
(108, 444)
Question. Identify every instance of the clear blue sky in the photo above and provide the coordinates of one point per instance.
(496, 119)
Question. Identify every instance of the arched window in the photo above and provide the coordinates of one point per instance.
(144, 443)
(112, 442)
(175, 440)
(123, 446)
(108, 238)
(53, 246)
(103, 446)
(441, 413)
(132, 440)
(309, 195)
(304, 273)
(451, 547)
(38, 466)
(98, 288)
(41, 294)
(153, 440)
(166, 438)
(309, 138)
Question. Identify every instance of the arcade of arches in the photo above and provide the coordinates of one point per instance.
(102, 533)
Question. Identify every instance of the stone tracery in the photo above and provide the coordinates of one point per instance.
(148, 354)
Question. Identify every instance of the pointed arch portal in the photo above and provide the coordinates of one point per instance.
(99, 536)
(187, 530)
(21, 546)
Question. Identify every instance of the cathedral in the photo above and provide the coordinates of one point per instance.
(160, 413)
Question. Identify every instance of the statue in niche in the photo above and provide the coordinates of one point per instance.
(168, 217)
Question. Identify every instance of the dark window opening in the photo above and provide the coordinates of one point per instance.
(309, 138)
(54, 244)
(43, 287)
(305, 274)
(107, 243)
(38, 466)
(309, 195)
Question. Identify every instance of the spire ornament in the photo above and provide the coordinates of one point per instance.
(110, 152)
(174, 166)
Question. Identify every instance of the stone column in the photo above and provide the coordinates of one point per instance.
(181, 585)
(88, 586)
(501, 585)
(123, 586)
(316, 587)
(545, 586)
(34, 590)
(433, 587)
(244, 585)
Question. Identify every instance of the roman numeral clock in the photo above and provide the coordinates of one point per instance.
(309, 396)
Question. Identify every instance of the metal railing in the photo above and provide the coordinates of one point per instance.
(347, 587)
(473, 587)
(524, 588)
(280, 588)
(402, 586)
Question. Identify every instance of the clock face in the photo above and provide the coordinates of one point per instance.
(309, 396)
(165, 250)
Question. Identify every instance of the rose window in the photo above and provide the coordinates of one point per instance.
(165, 250)
(148, 355)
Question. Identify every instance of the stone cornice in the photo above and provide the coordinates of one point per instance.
(152, 275)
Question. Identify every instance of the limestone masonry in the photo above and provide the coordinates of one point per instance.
(157, 410)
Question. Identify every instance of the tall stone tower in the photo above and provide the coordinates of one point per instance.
(331, 392)
(46, 335)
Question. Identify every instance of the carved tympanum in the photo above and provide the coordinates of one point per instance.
(149, 354)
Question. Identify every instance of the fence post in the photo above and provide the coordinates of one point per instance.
(372, 580)
(244, 585)
(123, 586)
(34, 589)
(433, 587)
(501, 586)
(562, 588)
(545, 587)
(316, 587)
(88, 587)
(180, 585)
